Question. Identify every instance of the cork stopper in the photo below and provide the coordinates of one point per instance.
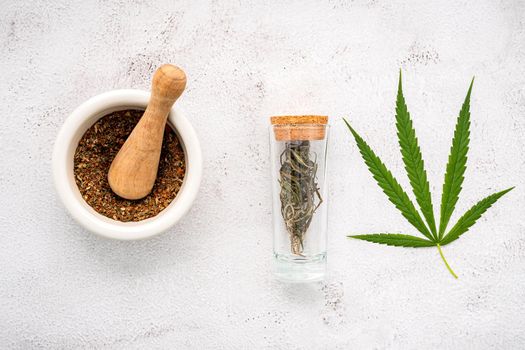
(299, 127)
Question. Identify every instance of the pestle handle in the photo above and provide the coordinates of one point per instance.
(134, 169)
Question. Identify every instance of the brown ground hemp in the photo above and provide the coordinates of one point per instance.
(299, 191)
(94, 155)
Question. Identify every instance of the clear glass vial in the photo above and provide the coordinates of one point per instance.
(298, 146)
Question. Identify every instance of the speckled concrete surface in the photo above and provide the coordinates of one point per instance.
(206, 283)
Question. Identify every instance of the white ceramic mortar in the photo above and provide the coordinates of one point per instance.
(67, 140)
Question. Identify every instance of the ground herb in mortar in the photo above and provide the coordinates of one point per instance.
(94, 155)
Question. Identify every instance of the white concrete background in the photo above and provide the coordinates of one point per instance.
(207, 283)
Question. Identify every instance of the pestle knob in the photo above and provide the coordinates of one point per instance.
(134, 169)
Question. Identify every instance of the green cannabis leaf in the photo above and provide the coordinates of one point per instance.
(413, 159)
(457, 164)
(396, 240)
(415, 168)
(390, 185)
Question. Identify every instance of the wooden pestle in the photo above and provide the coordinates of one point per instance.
(134, 169)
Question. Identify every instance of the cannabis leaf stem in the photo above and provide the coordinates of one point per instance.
(417, 175)
(446, 262)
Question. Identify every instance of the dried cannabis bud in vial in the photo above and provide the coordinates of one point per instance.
(300, 196)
